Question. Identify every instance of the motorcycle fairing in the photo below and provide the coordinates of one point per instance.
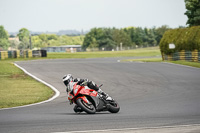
(99, 104)
(85, 91)
(84, 99)
(88, 91)
(70, 97)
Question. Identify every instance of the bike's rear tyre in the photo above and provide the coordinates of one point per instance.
(113, 107)
(88, 108)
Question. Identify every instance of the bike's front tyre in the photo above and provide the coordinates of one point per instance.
(88, 108)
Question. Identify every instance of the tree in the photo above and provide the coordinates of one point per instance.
(193, 12)
(106, 38)
(159, 32)
(139, 36)
(23, 33)
(36, 41)
(3, 38)
(149, 38)
(52, 37)
(93, 43)
(120, 36)
(96, 33)
(24, 38)
(106, 41)
(13, 44)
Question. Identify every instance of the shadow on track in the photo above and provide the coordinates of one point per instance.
(83, 113)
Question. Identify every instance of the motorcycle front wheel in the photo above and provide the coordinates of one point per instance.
(88, 108)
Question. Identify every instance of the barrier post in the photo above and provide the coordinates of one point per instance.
(18, 53)
(195, 55)
(30, 55)
(4, 54)
(182, 54)
(170, 57)
(10, 54)
(199, 56)
(25, 53)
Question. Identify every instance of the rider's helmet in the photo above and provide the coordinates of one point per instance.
(67, 79)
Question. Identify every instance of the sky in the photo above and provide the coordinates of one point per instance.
(55, 15)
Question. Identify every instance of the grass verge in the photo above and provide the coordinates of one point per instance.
(187, 63)
(144, 60)
(152, 51)
(17, 88)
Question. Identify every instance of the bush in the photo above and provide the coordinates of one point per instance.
(184, 39)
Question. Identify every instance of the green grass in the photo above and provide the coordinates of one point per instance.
(187, 63)
(154, 51)
(17, 88)
(144, 60)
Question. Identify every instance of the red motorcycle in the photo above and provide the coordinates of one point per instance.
(90, 101)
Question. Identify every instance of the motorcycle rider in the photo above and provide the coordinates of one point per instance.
(69, 81)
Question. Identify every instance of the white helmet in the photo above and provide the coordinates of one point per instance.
(67, 79)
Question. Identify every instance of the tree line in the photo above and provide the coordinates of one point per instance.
(97, 38)
(28, 41)
(131, 37)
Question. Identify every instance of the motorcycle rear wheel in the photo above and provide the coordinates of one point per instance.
(113, 107)
(90, 109)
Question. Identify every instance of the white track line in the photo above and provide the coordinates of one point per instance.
(126, 129)
(57, 93)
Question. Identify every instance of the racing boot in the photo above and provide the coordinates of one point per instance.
(105, 96)
(77, 109)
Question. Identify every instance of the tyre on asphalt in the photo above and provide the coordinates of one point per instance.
(113, 107)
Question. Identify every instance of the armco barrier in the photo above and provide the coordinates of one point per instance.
(22, 54)
(183, 55)
(188, 55)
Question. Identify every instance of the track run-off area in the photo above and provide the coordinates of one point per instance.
(149, 94)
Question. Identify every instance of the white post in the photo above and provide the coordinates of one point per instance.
(121, 46)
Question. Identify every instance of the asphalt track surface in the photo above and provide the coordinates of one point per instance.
(149, 94)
